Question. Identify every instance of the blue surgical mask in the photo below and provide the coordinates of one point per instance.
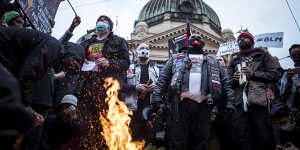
(102, 26)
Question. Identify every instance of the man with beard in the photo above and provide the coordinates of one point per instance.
(252, 71)
(290, 83)
(197, 81)
(109, 57)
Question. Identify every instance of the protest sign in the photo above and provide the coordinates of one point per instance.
(228, 48)
(269, 40)
(40, 12)
(261, 40)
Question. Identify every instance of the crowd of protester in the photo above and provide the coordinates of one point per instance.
(52, 92)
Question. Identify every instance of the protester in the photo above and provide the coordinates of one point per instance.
(14, 19)
(290, 83)
(202, 81)
(59, 127)
(144, 79)
(288, 121)
(252, 71)
(20, 53)
(222, 62)
(15, 120)
(111, 57)
(69, 66)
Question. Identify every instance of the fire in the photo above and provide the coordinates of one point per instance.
(115, 121)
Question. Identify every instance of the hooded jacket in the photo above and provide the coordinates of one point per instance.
(28, 54)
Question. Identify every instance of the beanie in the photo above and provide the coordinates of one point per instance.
(249, 35)
(70, 99)
(111, 24)
(9, 16)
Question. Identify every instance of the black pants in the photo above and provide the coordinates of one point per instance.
(141, 130)
(254, 128)
(225, 132)
(191, 132)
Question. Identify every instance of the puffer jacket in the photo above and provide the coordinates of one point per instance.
(214, 80)
(263, 67)
(115, 49)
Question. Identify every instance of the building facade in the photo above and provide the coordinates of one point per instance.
(161, 20)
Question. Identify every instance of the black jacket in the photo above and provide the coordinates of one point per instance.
(13, 116)
(210, 67)
(115, 49)
(28, 54)
(71, 63)
(264, 70)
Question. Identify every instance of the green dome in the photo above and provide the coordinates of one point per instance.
(153, 12)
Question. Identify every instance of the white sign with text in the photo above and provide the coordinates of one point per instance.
(269, 40)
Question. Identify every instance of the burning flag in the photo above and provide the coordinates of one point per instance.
(115, 121)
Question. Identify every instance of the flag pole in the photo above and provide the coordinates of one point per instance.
(293, 15)
(72, 7)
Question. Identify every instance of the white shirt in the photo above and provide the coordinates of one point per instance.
(195, 74)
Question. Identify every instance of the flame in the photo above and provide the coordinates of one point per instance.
(115, 121)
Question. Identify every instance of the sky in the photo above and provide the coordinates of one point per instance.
(259, 16)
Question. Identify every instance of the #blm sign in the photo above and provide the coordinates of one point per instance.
(228, 48)
(269, 40)
(40, 12)
(261, 40)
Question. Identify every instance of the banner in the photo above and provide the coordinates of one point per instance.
(40, 12)
(261, 40)
(228, 48)
(269, 40)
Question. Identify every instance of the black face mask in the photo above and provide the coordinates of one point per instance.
(244, 45)
(195, 45)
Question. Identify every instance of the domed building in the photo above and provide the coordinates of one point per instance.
(161, 20)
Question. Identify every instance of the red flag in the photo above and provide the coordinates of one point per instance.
(188, 33)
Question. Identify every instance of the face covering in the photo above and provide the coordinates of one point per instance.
(143, 53)
(244, 44)
(102, 27)
(289, 126)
